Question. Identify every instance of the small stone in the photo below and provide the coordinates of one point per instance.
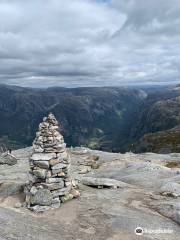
(95, 157)
(54, 162)
(43, 156)
(61, 192)
(61, 174)
(95, 166)
(85, 170)
(56, 200)
(42, 164)
(53, 186)
(56, 205)
(28, 199)
(54, 128)
(49, 174)
(40, 173)
(59, 166)
(33, 190)
(38, 208)
(75, 193)
(63, 155)
(38, 149)
(18, 205)
(67, 197)
(56, 171)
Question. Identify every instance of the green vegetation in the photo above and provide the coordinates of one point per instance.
(160, 142)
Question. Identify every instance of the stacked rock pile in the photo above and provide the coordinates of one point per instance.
(50, 182)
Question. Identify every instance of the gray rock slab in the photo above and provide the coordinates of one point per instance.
(8, 159)
(105, 182)
(43, 156)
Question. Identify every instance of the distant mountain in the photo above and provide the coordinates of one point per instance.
(97, 117)
(106, 118)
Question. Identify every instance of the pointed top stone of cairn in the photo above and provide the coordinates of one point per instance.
(50, 182)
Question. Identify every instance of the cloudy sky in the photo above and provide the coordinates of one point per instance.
(89, 42)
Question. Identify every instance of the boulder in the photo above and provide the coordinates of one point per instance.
(8, 159)
(61, 192)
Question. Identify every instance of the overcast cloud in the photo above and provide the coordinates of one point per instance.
(89, 42)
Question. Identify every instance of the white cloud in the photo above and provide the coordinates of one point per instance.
(88, 42)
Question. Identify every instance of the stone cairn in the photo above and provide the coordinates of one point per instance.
(49, 182)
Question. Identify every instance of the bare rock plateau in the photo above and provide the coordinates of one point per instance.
(119, 192)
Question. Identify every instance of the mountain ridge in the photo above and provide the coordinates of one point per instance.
(105, 118)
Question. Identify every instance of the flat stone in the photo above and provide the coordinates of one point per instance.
(41, 164)
(53, 186)
(48, 145)
(54, 162)
(43, 156)
(54, 128)
(62, 155)
(59, 166)
(43, 197)
(61, 192)
(40, 173)
(38, 149)
(38, 208)
(57, 171)
(67, 183)
(53, 180)
(104, 182)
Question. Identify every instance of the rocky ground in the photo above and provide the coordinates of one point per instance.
(119, 192)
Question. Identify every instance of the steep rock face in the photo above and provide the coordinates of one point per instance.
(160, 111)
(160, 142)
(162, 115)
(156, 127)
